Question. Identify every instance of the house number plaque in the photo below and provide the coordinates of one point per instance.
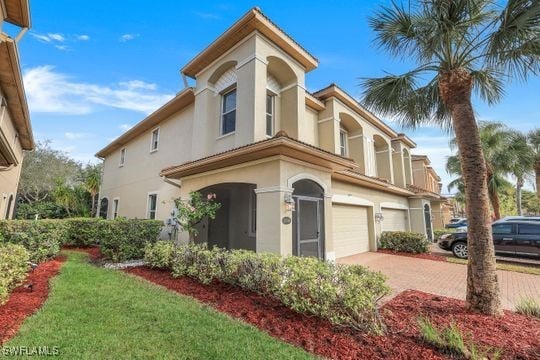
(286, 220)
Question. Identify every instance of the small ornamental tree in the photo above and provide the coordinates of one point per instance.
(192, 211)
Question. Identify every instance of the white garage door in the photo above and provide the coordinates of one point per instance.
(350, 226)
(395, 220)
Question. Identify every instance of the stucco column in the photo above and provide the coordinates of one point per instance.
(206, 113)
(398, 165)
(293, 111)
(273, 235)
(250, 102)
(356, 151)
(330, 253)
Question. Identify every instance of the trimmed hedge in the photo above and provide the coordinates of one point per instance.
(344, 294)
(125, 239)
(437, 233)
(13, 268)
(120, 239)
(41, 238)
(404, 241)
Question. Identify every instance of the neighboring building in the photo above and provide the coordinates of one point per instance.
(15, 130)
(301, 173)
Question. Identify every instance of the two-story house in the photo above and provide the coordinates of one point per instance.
(15, 130)
(296, 172)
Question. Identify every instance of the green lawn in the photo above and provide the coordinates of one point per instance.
(503, 266)
(99, 313)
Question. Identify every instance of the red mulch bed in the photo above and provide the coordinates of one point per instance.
(94, 252)
(419, 256)
(515, 333)
(23, 302)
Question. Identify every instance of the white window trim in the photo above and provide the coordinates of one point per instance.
(345, 142)
(253, 195)
(152, 150)
(122, 159)
(222, 114)
(148, 204)
(273, 114)
(117, 210)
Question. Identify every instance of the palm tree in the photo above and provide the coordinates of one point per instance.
(64, 196)
(519, 159)
(461, 47)
(92, 182)
(495, 139)
(534, 141)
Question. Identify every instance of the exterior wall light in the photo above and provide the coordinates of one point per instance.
(289, 202)
(379, 217)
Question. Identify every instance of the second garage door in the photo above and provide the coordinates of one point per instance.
(395, 220)
(350, 227)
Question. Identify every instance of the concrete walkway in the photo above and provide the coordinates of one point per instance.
(442, 278)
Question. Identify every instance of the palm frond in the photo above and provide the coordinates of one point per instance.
(488, 84)
(515, 46)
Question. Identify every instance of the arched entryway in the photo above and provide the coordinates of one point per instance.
(235, 225)
(427, 219)
(308, 219)
(104, 208)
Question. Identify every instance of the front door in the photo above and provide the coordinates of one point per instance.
(427, 217)
(308, 240)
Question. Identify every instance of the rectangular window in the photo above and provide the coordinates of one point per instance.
(270, 114)
(228, 112)
(152, 206)
(343, 142)
(529, 229)
(502, 229)
(155, 140)
(252, 213)
(115, 208)
(122, 157)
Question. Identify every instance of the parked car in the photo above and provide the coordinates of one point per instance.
(512, 237)
(456, 224)
(521, 218)
(453, 220)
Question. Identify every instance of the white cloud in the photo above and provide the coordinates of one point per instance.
(83, 37)
(125, 127)
(49, 91)
(40, 37)
(208, 16)
(76, 135)
(57, 37)
(128, 37)
(137, 84)
(61, 47)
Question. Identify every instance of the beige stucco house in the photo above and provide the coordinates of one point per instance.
(15, 130)
(296, 172)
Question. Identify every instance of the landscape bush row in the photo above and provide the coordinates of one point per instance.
(13, 268)
(119, 239)
(345, 295)
(404, 242)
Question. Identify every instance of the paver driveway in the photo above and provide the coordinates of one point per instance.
(442, 278)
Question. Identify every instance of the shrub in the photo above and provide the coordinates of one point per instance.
(529, 307)
(125, 239)
(41, 238)
(13, 268)
(159, 255)
(83, 232)
(345, 295)
(404, 241)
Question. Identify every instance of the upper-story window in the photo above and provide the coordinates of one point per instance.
(270, 109)
(343, 142)
(155, 140)
(228, 112)
(123, 157)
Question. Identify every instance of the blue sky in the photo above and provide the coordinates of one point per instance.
(94, 68)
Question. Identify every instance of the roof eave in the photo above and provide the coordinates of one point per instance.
(255, 19)
(179, 102)
(21, 19)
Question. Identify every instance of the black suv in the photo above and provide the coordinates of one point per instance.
(511, 237)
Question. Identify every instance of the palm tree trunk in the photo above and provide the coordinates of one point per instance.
(519, 185)
(492, 191)
(482, 285)
(537, 173)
